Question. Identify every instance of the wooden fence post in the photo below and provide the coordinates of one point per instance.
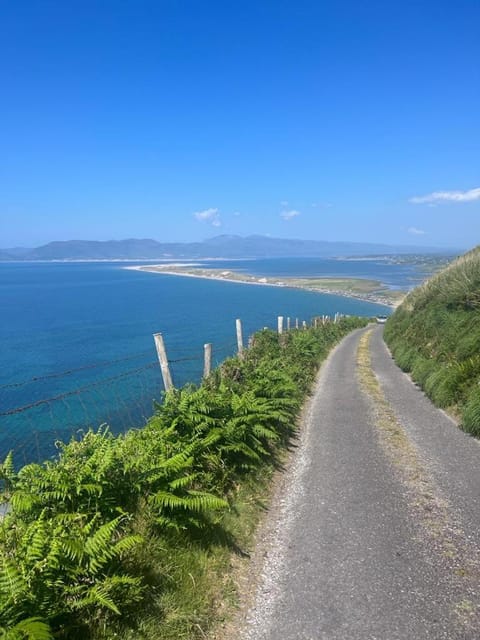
(238, 324)
(304, 324)
(288, 324)
(207, 359)
(162, 357)
(296, 323)
(280, 324)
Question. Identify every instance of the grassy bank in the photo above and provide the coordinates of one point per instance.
(435, 335)
(134, 536)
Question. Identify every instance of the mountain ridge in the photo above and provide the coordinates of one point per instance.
(222, 246)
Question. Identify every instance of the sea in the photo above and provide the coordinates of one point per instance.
(76, 339)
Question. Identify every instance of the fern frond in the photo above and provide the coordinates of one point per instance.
(28, 629)
(96, 596)
(98, 547)
(23, 501)
(90, 488)
(7, 469)
(162, 499)
(36, 542)
(242, 447)
(211, 438)
(183, 481)
(178, 462)
(12, 582)
(200, 501)
(126, 544)
(73, 549)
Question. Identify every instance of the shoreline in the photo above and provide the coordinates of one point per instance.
(170, 269)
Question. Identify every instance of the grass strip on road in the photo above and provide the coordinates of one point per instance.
(431, 511)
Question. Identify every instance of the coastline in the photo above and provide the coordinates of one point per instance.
(176, 269)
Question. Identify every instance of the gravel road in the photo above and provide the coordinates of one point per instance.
(351, 553)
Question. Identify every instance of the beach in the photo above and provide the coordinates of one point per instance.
(358, 288)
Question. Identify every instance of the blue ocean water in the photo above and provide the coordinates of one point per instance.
(77, 347)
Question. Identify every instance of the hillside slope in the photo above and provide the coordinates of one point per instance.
(435, 335)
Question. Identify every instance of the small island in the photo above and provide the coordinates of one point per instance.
(363, 289)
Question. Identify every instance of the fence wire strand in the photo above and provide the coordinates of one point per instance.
(78, 391)
(32, 430)
(69, 372)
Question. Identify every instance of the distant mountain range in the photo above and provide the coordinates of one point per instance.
(223, 246)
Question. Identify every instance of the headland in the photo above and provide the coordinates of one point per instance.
(368, 290)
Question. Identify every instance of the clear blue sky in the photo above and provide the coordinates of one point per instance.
(306, 119)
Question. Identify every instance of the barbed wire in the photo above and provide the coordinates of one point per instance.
(122, 400)
(21, 409)
(195, 359)
(97, 365)
(68, 372)
(78, 391)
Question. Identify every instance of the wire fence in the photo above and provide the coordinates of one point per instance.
(40, 412)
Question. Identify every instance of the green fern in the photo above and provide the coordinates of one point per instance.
(7, 475)
(13, 586)
(27, 629)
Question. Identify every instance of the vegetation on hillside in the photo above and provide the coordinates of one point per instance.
(131, 536)
(435, 335)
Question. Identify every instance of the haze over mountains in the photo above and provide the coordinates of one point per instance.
(223, 246)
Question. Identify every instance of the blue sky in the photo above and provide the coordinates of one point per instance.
(179, 120)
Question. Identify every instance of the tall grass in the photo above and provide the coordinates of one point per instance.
(435, 335)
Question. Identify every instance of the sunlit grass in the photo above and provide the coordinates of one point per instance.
(435, 336)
